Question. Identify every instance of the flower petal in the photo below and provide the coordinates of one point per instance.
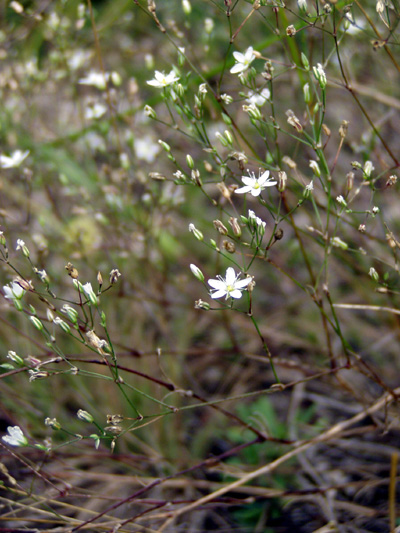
(230, 276)
(235, 294)
(219, 294)
(243, 190)
(217, 284)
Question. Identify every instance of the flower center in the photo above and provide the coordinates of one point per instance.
(230, 288)
(256, 185)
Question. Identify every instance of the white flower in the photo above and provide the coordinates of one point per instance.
(320, 75)
(13, 160)
(256, 219)
(146, 149)
(302, 4)
(20, 244)
(258, 99)
(368, 168)
(163, 80)
(96, 79)
(94, 111)
(243, 61)
(15, 436)
(89, 292)
(13, 291)
(340, 200)
(255, 185)
(230, 287)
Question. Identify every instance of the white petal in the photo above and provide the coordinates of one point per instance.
(217, 284)
(235, 294)
(264, 177)
(256, 192)
(248, 180)
(242, 283)
(230, 276)
(239, 67)
(249, 55)
(243, 190)
(239, 57)
(218, 294)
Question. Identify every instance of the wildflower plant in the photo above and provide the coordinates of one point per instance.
(200, 256)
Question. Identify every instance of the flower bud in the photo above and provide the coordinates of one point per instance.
(197, 233)
(85, 416)
(315, 168)
(305, 61)
(189, 161)
(374, 274)
(197, 273)
(37, 323)
(306, 93)
(149, 112)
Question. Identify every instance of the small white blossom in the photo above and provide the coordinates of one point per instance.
(340, 200)
(302, 4)
(255, 185)
(95, 79)
(94, 111)
(230, 286)
(197, 233)
(226, 98)
(315, 167)
(258, 99)
(256, 219)
(320, 75)
(89, 292)
(146, 149)
(13, 160)
(13, 291)
(15, 436)
(20, 244)
(368, 168)
(243, 61)
(162, 80)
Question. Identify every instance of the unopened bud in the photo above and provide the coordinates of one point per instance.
(189, 161)
(36, 322)
(166, 146)
(99, 278)
(374, 274)
(85, 416)
(305, 61)
(197, 273)
(315, 168)
(337, 241)
(197, 233)
(149, 112)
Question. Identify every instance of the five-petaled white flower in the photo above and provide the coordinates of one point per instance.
(243, 61)
(13, 160)
(13, 292)
(258, 99)
(96, 79)
(230, 287)
(15, 436)
(163, 80)
(255, 185)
